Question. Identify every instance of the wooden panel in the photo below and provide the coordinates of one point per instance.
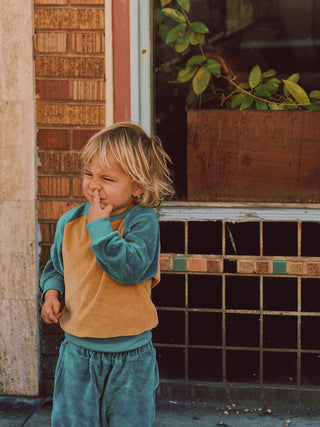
(254, 156)
(121, 60)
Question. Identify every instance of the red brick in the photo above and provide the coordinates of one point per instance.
(53, 186)
(47, 2)
(87, 2)
(53, 210)
(81, 136)
(73, 19)
(87, 90)
(65, 114)
(58, 66)
(87, 43)
(47, 231)
(44, 256)
(52, 162)
(52, 89)
(53, 138)
(52, 42)
(77, 187)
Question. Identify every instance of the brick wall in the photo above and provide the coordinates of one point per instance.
(70, 90)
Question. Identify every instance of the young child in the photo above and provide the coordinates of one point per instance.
(104, 262)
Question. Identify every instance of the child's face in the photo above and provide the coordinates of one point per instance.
(115, 187)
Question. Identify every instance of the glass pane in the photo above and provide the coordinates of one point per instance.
(276, 34)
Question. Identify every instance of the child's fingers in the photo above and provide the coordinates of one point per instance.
(107, 210)
(50, 313)
(96, 198)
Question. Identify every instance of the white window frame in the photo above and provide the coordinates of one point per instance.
(141, 82)
(141, 59)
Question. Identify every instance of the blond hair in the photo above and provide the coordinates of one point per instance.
(141, 156)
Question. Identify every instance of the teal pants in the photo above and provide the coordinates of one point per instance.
(94, 389)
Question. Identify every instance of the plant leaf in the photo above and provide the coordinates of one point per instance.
(237, 100)
(269, 73)
(275, 106)
(191, 100)
(182, 42)
(165, 2)
(196, 60)
(199, 27)
(274, 81)
(246, 103)
(255, 76)
(314, 107)
(262, 92)
(269, 87)
(315, 94)
(244, 85)
(201, 80)
(187, 73)
(185, 4)
(196, 38)
(297, 92)
(293, 78)
(174, 14)
(261, 105)
(175, 33)
(214, 67)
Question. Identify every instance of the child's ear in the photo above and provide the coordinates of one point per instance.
(138, 190)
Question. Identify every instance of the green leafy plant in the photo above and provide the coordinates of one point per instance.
(262, 91)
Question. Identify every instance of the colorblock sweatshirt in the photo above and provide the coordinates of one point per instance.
(105, 270)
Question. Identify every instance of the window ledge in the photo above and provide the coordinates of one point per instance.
(196, 211)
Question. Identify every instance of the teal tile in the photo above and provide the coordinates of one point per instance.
(279, 267)
(179, 264)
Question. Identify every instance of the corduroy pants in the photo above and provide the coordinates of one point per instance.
(94, 389)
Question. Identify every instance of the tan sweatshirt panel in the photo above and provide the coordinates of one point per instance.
(96, 305)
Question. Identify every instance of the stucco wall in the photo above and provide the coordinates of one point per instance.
(18, 290)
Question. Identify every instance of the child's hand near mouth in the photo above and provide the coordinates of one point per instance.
(98, 210)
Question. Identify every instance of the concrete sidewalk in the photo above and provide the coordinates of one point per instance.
(35, 412)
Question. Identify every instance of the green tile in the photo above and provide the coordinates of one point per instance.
(179, 264)
(279, 267)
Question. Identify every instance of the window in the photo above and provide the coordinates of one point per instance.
(275, 34)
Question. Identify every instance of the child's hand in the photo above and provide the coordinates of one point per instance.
(50, 312)
(97, 210)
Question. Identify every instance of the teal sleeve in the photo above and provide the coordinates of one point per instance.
(132, 258)
(53, 273)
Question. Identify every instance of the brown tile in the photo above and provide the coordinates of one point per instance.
(264, 267)
(246, 266)
(165, 264)
(294, 267)
(214, 266)
(313, 268)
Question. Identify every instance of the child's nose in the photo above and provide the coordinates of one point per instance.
(95, 185)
